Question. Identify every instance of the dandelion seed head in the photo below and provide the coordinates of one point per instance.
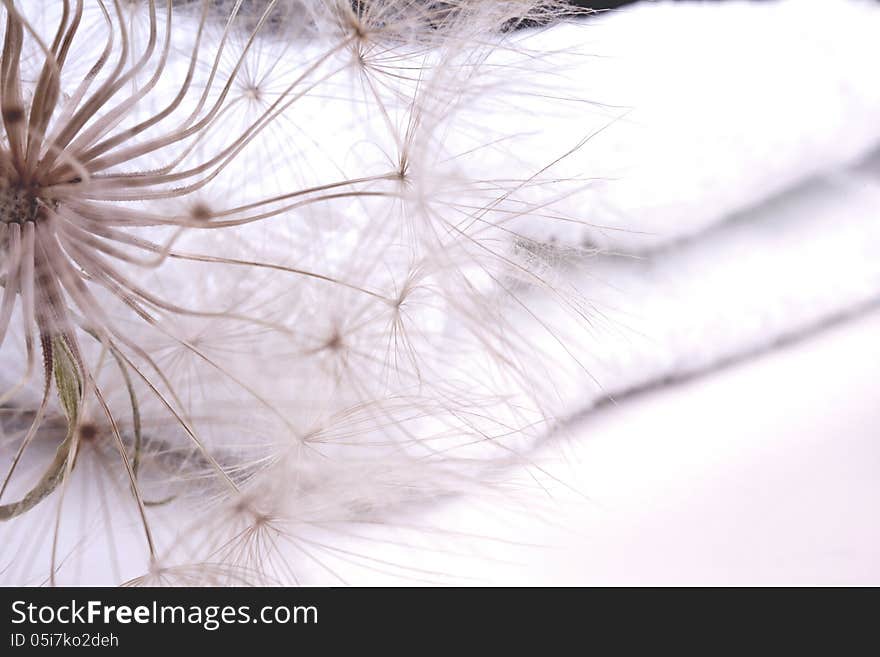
(250, 276)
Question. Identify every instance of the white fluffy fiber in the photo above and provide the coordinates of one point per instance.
(740, 214)
(772, 273)
(697, 110)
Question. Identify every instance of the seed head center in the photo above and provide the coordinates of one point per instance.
(18, 205)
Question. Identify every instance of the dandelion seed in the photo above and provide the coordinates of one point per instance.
(211, 292)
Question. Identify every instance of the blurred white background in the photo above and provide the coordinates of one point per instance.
(760, 473)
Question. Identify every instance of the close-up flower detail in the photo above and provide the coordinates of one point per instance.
(254, 275)
(322, 292)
